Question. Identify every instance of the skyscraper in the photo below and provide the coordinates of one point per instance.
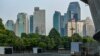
(62, 29)
(9, 25)
(79, 28)
(22, 24)
(65, 24)
(75, 27)
(74, 11)
(39, 21)
(89, 28)
(31, 23)
(56, 21)
(71, 27)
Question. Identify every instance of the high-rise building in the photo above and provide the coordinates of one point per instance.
(22, 25)
(56, 21)
(75, 27)
(74, 11)
(39, 21)
(62, 29)
(31, 23)
(71, 27)
(9, 25)
(80, 26)
(89, 29)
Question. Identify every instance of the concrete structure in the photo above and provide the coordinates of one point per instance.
(79, 29)
(9, 25)
(56, 21)
(74, 11)
(95, 10)
(31, 23)
(71, 28)
(6, 50)
(89, 29)
(39, 21)
(75, 27)
(22, 25)
(76, 47)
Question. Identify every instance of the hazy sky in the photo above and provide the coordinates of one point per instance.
(10, 8)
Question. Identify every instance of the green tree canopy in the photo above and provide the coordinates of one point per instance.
(56, 36)
(76, 37)
(1, 25)
(54, 33)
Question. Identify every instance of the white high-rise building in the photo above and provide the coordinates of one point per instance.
(80, 25)
(75, 27)
(21, 25)
(89, 29)
(39, 21)
(71, 28)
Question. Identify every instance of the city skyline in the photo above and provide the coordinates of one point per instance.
(28, 7)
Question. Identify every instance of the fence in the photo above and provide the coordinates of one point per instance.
(44, 54)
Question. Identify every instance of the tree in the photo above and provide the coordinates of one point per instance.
(56, 36)
(54, 33)
(1, 25)
(24, 35)
(88, 39)
(33, 35)
(42, 44)
(76, 38)
(66, 42)
(50, 43)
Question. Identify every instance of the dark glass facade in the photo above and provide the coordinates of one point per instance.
(56, 20)
(74, 11)
(31, 24)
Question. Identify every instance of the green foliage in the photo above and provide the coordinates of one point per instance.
(76, 38)
(66, 42)
(24, 35)
(1, 25)
(52, 41)
(54, 33)
(56, 36)
(42, 44)
(88, 39)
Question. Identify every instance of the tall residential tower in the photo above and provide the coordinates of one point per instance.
(22, 25)
(39, 21)
(56, 21)
(31, 23)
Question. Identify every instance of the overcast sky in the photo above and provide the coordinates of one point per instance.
(10, 8)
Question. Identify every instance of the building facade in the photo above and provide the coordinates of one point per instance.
(22, 25)
(74, 11)
(71, 27)
(89, 29)
(75, 27)
(31, 23)
(39, 21)
(62, 29)
(9, 25)
(56, 21)
(80, 26)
